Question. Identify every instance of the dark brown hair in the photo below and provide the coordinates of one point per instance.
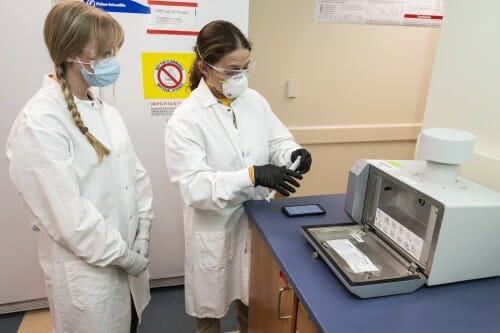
(215, 40)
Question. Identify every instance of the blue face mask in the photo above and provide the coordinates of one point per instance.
(106, 72)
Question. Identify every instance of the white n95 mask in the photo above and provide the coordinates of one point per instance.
(235, 86)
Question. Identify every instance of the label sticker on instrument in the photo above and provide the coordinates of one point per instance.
(357, 260)
(403, 236)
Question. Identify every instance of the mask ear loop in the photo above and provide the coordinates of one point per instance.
(78, 61)
(197, 51)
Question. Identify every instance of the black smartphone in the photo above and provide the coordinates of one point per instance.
(303, 210)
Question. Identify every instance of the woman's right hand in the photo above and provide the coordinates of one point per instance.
(281, 179)
(134, 263)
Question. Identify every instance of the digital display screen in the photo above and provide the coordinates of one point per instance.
(302, 210)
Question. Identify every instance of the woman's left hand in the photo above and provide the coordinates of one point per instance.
(305, 160)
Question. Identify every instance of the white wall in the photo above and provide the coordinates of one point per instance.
(465, 87)
(362, 88)
(23, 60)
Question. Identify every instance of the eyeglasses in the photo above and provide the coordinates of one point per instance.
(232, 72)
(108, 54)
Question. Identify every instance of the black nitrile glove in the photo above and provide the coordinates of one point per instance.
(275, 177)
(305, 160)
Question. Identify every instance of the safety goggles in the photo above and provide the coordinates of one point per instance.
(105, 57)
(228, 72)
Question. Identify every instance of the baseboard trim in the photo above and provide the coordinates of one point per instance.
(42, 303)
(33, 304)
(167, 282)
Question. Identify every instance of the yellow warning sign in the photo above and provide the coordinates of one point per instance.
(166, 75)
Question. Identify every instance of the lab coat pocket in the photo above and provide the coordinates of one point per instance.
(214, 249)
(89, 285)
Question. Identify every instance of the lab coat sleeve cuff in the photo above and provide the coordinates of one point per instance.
(237, 180)
(144, 229)
(132, 262)
(288, 156)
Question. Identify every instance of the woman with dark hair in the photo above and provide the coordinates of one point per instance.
(223, 146)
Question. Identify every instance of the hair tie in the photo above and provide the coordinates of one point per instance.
(84, 130)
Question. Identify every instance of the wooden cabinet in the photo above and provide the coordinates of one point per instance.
(304, 323)
(274, 307)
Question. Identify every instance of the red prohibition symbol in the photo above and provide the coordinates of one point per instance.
(170, 76)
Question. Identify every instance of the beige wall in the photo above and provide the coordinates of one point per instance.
(465, 86)
(362, 89)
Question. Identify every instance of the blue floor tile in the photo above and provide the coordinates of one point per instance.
(9, 323)
(166, 313)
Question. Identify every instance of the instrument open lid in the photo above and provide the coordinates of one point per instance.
(364, 262)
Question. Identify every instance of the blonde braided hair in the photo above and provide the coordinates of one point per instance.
(100, 149)
(69, 26)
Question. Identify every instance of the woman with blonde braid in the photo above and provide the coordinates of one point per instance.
(71, 159)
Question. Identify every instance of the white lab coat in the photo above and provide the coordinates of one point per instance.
(208, 159)
(87, 214)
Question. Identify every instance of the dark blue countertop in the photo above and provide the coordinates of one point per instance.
(468, 307)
